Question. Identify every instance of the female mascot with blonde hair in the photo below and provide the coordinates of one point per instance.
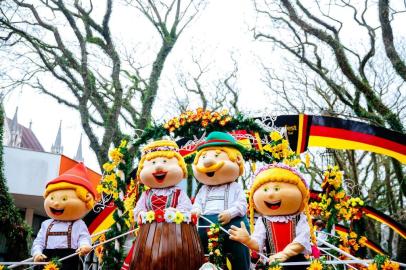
(280, 194)
(162, 242)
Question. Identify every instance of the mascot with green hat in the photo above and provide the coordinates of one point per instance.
(221, 199)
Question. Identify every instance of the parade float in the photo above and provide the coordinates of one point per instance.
(335, 216)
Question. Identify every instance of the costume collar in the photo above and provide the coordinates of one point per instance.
(284, 219)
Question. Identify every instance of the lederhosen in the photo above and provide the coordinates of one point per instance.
(155, 202)
(69, 264)
(278, 236)
(237, 253)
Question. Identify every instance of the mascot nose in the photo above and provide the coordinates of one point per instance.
(209, 162)
(159, 167)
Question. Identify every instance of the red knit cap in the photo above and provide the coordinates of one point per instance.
(78, 175)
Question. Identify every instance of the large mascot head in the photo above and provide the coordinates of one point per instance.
(70, 196)
(218, 160)
(161, 165)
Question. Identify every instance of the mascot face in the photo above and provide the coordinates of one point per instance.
(277, 199)
(64, 204)
(161, 172)
(214, 167)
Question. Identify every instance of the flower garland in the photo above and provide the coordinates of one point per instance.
(167, 215)
(113, 186)
(200, 116)
(335, 206)
(99, 250)
(280, 150)
(215, 246)
(383, 263)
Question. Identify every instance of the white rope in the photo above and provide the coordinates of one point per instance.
(328, 253)
(339, 250)
(31, 258)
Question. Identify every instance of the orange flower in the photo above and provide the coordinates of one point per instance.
(388, 265)
(372, 266)
(51, 266)
(205, 123)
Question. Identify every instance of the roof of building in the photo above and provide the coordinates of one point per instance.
(28, 138)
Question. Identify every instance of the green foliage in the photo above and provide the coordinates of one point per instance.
(12, 225)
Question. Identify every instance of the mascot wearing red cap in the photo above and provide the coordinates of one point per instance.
(67, 199)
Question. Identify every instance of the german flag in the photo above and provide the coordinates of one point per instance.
(337, 133)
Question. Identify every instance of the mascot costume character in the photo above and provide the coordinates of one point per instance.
(68, 198)
(280, 194)
(167, 238)
(217, 165)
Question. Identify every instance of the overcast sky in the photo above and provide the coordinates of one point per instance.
(219, 30)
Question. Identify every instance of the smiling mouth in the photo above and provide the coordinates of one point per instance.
(56, 212)
(159, 176)
(210, 174)
(273, 205)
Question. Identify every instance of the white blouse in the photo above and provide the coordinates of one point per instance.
(79, 237)
(302, 231)
(184, 203)
(214, 200)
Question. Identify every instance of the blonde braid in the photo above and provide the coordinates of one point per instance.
(251, 206)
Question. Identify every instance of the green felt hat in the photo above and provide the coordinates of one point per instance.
(217, 138)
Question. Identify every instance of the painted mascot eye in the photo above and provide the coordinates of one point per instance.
(65, 199)
(154, 162)
(276, 188)
(164, 161)
(266, 189)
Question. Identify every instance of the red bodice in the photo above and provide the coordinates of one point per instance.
(156, 202)
(280, 234)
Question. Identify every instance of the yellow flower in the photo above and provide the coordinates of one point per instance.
(353, 235)
(108, 167)
(362, 241)
(372, 266)
(275, 136)
(388, 265)
(115, 155)
(123, 144)
(178, 217)
(277, 267)
(150, 216)
(51, 266)
(1, 267)
(315, 265)
(217, 252)
(307, 160)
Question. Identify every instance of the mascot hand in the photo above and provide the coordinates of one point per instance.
(83, 250)
(241, 235)
(224, 217)
(40, 258)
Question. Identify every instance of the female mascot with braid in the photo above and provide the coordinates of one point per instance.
(280, 194)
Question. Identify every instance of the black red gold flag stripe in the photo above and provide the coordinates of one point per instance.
(337, 133)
